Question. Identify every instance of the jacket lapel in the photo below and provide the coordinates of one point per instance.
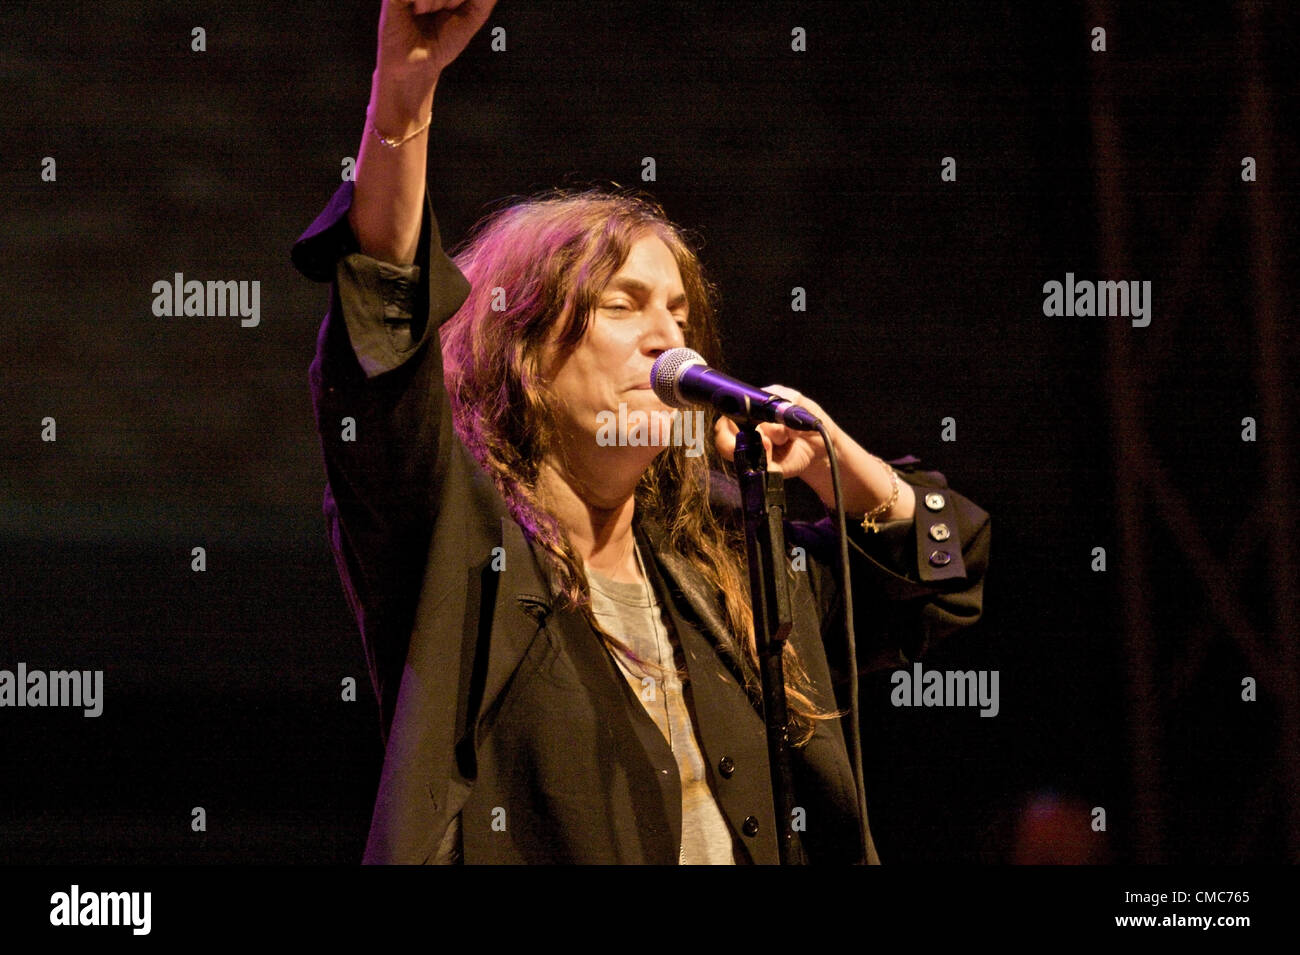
(688, 582)
(521, 609)
(514, 602)
(728, 726)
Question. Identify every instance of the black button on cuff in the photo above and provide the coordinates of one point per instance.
(750, 827)
(938, 524)
(727, 767)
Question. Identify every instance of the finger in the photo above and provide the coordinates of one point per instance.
(436, 6)
(724, 437)
(776, 433)
(789, 394)
(798, 398)
(795, 398)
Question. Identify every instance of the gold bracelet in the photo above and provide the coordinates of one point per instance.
(869, 519)
(394, 143)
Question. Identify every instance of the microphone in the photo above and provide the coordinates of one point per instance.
(680, 377)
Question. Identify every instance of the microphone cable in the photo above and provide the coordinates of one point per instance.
(851, 644)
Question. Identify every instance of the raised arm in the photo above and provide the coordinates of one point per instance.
(416, 42)
(377, 387)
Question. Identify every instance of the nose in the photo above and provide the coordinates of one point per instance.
(664, 332)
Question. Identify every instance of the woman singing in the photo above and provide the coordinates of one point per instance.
(557, 625)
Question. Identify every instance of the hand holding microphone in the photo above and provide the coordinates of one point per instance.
(785, 419)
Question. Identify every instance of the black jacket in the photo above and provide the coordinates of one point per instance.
(510, 734)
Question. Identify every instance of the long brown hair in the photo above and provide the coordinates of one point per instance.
(542, 261)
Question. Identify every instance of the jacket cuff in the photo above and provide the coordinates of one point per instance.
(388, 310)
(378, 302)
(916, 556)
(328, 239)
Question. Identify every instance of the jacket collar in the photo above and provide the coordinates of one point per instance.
(532, 592)
(680, 574)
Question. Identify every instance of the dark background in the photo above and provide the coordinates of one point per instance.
(820, 169)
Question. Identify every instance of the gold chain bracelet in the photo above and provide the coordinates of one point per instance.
(869, 519)
(394, 143)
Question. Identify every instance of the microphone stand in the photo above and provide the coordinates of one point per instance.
(763, 496)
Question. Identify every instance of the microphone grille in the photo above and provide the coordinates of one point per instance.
(667, 368)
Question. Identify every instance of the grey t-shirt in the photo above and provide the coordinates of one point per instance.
(632, 613)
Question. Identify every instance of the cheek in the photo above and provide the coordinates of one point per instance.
(586, 380)
(614, 346)
(580, 386)
(603, 357)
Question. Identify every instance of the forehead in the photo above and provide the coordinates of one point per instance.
(649, 262)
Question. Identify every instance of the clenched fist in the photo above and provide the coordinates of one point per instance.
(424, 36)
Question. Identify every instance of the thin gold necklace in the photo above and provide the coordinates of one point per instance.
(659, 653)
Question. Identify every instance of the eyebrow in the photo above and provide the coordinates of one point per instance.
(639, 287)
